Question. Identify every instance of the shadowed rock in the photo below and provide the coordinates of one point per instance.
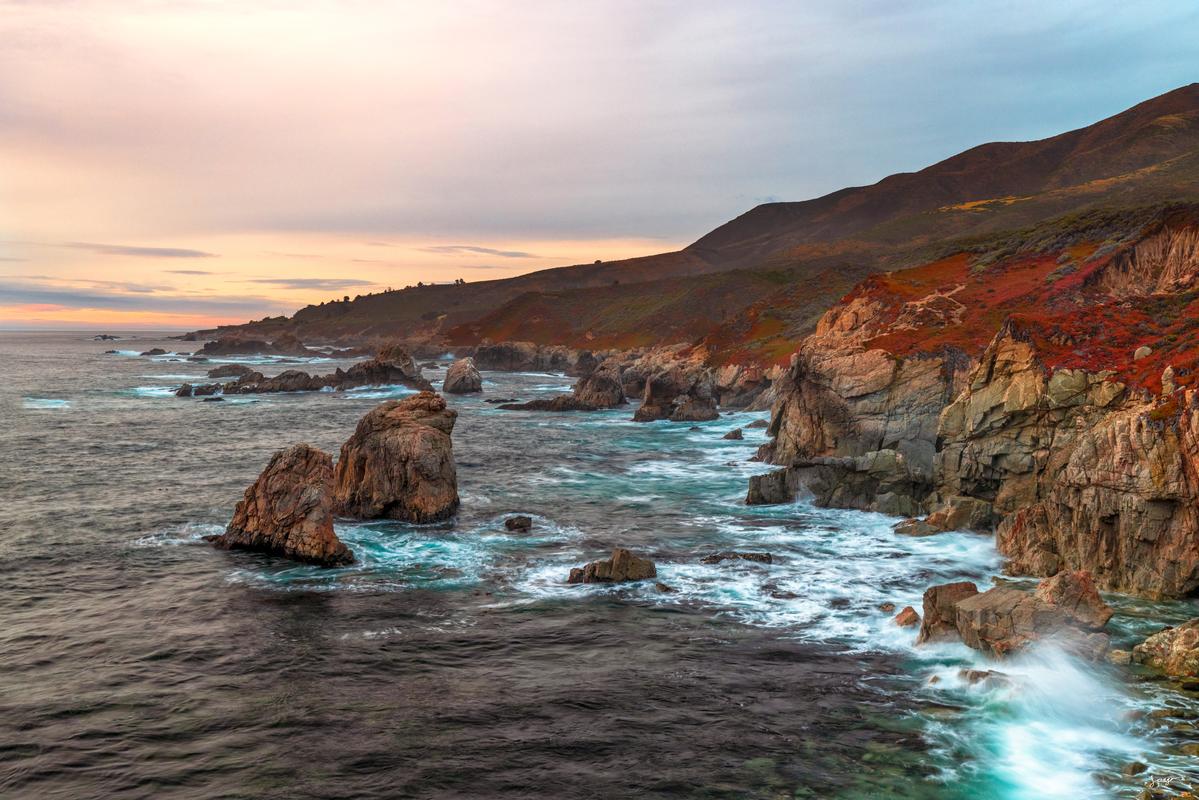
(230, 371)
(562, 402)
(463, 378)
(940, 611)
(602, 387)
(520, 523)
(399, 464)
(288, 511)
(734, 434)
(622, 566)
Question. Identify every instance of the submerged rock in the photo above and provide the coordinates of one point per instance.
(399, 464)
(185, 390)
(519, 523)
(562, 402)
(288, 511)
(154, 351)
(621, 567)
(728, 555)
(1174, 651)
(463, 377)
(230, 371)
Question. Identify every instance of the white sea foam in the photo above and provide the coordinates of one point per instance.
(45, 403)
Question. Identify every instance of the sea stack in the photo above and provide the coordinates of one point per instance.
(399, 464)
(288, 511)
(462, 377)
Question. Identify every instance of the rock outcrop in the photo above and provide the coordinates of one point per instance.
(288, 511)
(925, 393)
(602, 387)
(462, 377)
(393, 366)
(285, 345)
(561, 402)
(399, 464)
(230, 371)
(1005, 620)
(1174, 651)
(621, 567)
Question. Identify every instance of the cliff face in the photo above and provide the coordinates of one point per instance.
(1057, 429)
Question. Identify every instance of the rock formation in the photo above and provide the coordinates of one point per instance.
(1005, 620)
(908, 618)
(621, 567)
(288, 511)
(230, 371)
(392, 366)
(462, 377)
(399, 464)
(923, 394)
(519, 523)
(561, 402)
(602, 387)
(1174, 651)
(735, 434)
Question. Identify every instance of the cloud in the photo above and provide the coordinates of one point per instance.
(191, 272)
(133, 250)
(311, 283)
(12, 293)
(459, 249)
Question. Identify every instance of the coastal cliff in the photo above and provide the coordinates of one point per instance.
(1070, 429)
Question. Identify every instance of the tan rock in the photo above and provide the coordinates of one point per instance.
(621, 567)
(907, 618)
(399, 464)
(1174, 651)
(288, 511)
(462, 377)
(940, 611)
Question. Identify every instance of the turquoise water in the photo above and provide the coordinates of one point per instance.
(748, 680)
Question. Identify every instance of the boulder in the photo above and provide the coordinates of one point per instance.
(907, 618)
(184, 391)
(940, 611)
(462, 377)
(621, 567)
(1006, 620)
(602, 387)
(734, 434)
(154, 351)
(520, 523)
(399, 464)
(759, 423)
(288, 511)
(1174, 651)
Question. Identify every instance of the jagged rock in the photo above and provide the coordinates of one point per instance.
(288, 511)
(526, 357)
(727, 555)
(740, 386)
(462, 377)
(229, 346)
(622, 566)
(770, 489)
(907, 618)
(675, 384)
(399, 464)
(519, 523)
(1174, 651)
(1006, 620)
(940, 610)
(562, 402)
(734, 434)
(230, 371)
(184, 391)
(602, 388)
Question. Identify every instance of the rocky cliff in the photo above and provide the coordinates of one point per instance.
(1048, 393)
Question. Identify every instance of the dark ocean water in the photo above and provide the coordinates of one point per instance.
(453, 661)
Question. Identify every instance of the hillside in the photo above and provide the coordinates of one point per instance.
(755, 285)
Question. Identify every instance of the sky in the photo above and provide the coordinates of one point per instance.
(183, 163)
